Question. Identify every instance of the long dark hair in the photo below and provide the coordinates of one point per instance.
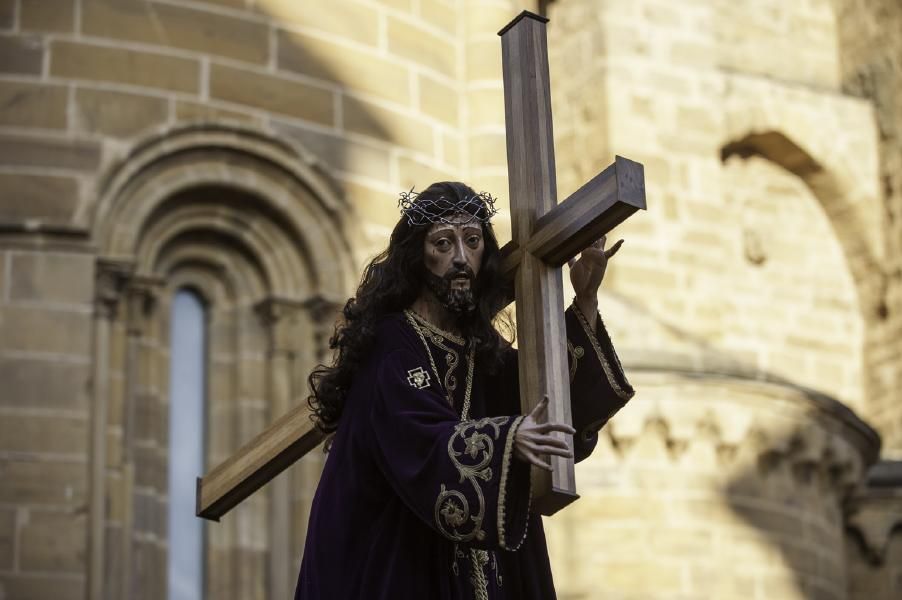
(391, 282)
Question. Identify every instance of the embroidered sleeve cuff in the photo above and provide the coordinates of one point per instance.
(607, 357)
(512, 524)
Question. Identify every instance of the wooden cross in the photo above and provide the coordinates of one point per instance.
(545, 236)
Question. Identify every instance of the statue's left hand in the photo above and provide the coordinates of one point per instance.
(587, 273)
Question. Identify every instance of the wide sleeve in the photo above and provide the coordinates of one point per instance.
(598, 384)
(458, 477)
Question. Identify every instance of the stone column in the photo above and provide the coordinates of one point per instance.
(110, 279)
(280, 317)
(142, 576)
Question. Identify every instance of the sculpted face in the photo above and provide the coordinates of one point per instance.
(452, 255)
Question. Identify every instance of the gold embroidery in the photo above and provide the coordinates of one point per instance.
(576, 353)
(479, 559)
(621, 393)
(435, 330)
(453, 515)
(502, 488)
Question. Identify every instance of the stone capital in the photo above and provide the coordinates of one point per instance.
(111, 276)
(142, 294)
(280, 316)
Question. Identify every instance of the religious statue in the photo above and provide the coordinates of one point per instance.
(426, 488)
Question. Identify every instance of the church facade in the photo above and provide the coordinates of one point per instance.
(249, 153)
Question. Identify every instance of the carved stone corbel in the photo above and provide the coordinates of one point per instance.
(111, 276)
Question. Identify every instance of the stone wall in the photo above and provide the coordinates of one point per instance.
(871, 63)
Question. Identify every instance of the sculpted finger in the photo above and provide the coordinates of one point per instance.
(563, 452)
(560, 427)
(540, 412)
(540, 443)
(539, 462)
(613, 250)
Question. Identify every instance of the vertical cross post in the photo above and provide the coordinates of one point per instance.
(541, 330)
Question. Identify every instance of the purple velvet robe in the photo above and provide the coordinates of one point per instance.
(418, 499)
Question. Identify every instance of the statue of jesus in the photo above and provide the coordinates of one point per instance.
(425, 491)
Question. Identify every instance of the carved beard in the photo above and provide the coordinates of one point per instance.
(460, 302)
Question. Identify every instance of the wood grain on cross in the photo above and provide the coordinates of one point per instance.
(545, 236)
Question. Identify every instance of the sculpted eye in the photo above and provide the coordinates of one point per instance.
(473, 240)
(442, 244)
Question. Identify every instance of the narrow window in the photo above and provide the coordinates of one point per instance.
(187, 391)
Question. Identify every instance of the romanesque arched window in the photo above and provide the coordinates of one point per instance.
(257, 232)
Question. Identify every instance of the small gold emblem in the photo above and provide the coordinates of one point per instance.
(418, 378)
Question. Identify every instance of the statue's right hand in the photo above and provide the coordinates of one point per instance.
(534, 437)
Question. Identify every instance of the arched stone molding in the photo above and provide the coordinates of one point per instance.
(842, 171)
(291, 190)
(250, 224)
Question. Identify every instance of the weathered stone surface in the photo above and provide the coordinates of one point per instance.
(388, 125)
(440, 100)
(178, 27)
(7, 13)
(42, 587)
(118, 114)
(47, 15)
(119, 65)
(340, 153)
(21, 54)
(33, 105)
(7, 539)
(45, 330)
(359, 70)
(32, 383)
(343, 19)
(199, 111)
(42, 434)
(422, 47)
(275, 94)
(41, 151)
(51, 277)
(53, 541)
(42, 482)
(48, 198)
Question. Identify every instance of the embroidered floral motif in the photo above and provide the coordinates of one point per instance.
(453, 514)
(418, 378)
(624, 394)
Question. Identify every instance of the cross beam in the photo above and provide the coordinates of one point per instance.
(545, 236)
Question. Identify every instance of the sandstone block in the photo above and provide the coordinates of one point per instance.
(354, 69)
(198, 111)
(7, 13)
(42, 587)
(120, 65)
(33, 105)
(53, 541)
(47, 15)
(403, 5)
(43, 151)
(439, 14)
(118, 114)
(36, 434)
(32, 383)
(275, 94)
(488, 150)
(387, 125)
(484, 60)
(21, 54)
(42, 482)
(7, 539)
(415, 173)
(339, 153)
(51, 277)
(48, 198)
(339, 18)
(439, 101)
(45, 330)
(486, 106)
(422, 47)
(178, 27)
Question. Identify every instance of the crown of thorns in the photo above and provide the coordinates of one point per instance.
(421, 211)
